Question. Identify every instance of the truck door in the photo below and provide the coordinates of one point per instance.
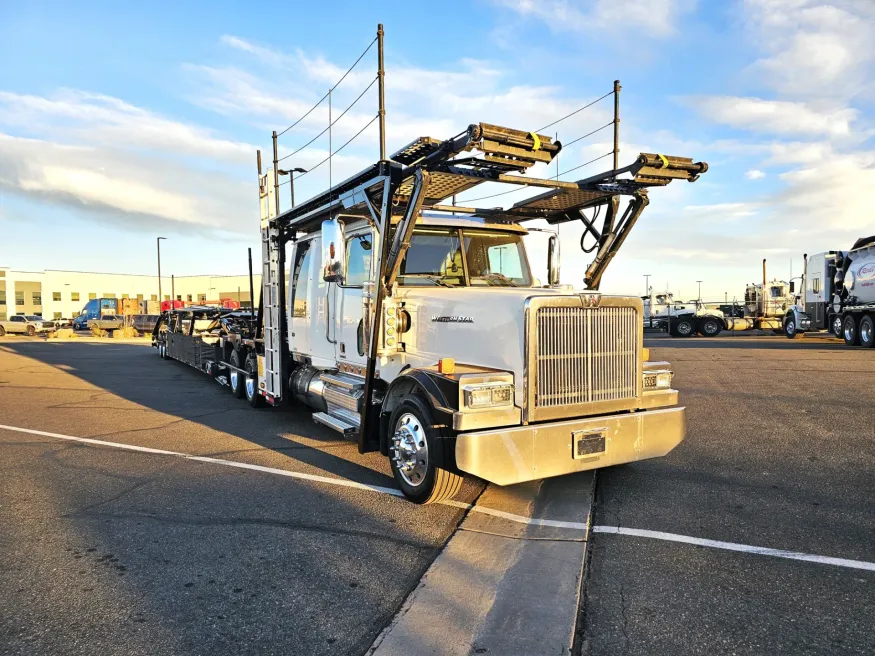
(311, 308)
(350, 345)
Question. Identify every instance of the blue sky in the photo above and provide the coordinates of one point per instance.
(122, 122)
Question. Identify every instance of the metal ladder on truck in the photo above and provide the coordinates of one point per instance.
(270, 364)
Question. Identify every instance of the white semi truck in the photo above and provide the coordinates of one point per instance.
(418, 329)
(839, 295)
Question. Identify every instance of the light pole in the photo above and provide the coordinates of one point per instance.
(700, 290)
(291, 174)
(158, 242)
(647, 284)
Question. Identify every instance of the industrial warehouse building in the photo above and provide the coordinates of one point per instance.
(62, 294)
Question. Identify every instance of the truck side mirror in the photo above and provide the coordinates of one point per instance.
(333, 255)
(553, 261)
(792, 286)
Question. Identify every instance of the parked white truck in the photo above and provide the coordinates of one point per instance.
(418, 329)
(839, 295)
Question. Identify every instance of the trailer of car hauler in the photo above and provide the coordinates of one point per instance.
(417, 329)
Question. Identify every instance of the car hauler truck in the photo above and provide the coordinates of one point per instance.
(839, 295)
(417, 328)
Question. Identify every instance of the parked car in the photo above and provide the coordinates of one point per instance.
(62, 323)
(107, 322)
(25, 324)
(144, 323)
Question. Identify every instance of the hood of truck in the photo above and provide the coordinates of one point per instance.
(482, 326)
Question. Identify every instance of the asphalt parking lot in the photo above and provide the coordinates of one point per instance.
(124, 551)
(780, 453)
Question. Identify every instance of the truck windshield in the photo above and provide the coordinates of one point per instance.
(490, 258)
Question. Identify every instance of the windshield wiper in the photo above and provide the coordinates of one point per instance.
(499, 278)
(439, 281)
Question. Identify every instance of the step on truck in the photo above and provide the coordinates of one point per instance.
(839, 295)
(417, 328)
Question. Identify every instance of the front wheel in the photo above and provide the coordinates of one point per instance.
(867, 332)
(31, 331)
(835, 325)
(2, 331)
(412, 449)
(850, 332)
(790, 329)
(683, 327)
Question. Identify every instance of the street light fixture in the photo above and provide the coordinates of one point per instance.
(647, 284)
(700, 290)
(160, 297)
(291, 174)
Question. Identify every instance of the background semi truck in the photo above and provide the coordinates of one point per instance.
(838, 295)
(416, 328)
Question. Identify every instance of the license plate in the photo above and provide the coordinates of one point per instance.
(588, 443)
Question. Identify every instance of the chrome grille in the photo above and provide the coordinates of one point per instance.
(586, 355)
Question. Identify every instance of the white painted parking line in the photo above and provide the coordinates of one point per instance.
(342, 482)
(733, 546)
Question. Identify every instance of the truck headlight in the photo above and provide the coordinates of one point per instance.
(656, 380)
(488, 395)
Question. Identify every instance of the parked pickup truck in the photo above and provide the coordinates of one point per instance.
(26, 324)
(107, 322)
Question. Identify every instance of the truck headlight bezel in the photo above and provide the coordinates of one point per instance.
(480, 396)
(657, 379)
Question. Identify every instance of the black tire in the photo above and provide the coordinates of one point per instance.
(835, 325)
(850, 331)
(867, 332)
(250, 385)
(162, 350)
(710, 326)
(235, 379)
(683, 327)
(790, 328)
(2, 331)
(31, 331)
(434, 484)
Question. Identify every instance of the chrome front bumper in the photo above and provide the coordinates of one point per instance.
(505, 456)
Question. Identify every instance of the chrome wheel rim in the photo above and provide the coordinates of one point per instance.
(685, 328)
(710, 327)
(791, 327)
(234, 378)
(837, 326)
(866, 332)
(411, 449)
(250, 387)
(849, 332)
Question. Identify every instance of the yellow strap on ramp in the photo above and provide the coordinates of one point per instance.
(537, 140)
(664, 161)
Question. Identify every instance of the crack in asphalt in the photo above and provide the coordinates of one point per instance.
(253, 521)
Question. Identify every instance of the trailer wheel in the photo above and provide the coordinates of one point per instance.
(31, 331)
(255, 399)
(835, 325)
(412, 445)
(162, 350)
(709, 327)
(235, 379)
(867, 332)
(850, 331)
(790, 328)
(683, 327)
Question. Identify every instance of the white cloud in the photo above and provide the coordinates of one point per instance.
(774, 116)
(755, 174)
(655, 18)
(723, 210)
(816, 49)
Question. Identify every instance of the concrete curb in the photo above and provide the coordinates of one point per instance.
(501, 586)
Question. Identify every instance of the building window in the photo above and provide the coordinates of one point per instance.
(202, 298)
(56, 296)
(188, 298)
(139, 297)
(37, 298)
(2, 297)
(57, 315)
(91, 296)
(74, 296)
(179, 297)
(154, 297)
(109, 296)
(166, 297)
(124, 296)
(2, 316)
(19, 298)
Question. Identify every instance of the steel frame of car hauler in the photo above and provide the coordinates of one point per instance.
(424, 174)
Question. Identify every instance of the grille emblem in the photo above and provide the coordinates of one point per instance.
(590, 300)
